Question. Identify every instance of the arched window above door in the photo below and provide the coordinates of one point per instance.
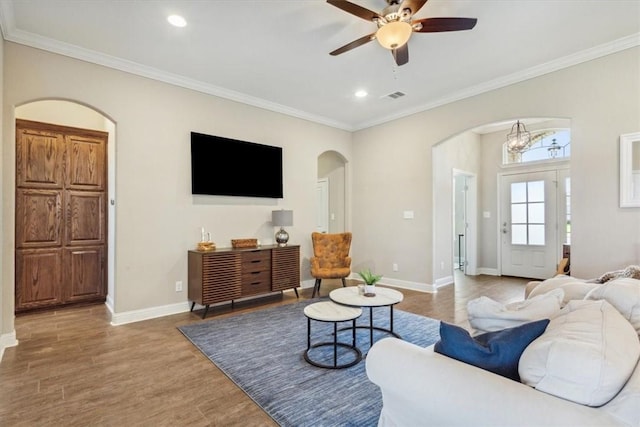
(547, 145)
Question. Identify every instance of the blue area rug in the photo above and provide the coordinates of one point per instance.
(262, 352)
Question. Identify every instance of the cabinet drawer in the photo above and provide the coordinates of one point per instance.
(250, 256)
(256, 261)
(256, 282)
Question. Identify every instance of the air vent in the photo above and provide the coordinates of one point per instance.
(395, 95)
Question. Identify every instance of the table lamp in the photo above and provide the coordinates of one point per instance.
(281, 219)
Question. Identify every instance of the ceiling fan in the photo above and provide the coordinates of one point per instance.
(395, 25)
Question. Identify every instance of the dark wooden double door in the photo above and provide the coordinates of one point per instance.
(61, 215)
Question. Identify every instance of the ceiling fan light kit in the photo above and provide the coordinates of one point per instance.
(394, 34)
(395, 25)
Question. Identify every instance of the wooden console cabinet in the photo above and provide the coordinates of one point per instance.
(228, 274)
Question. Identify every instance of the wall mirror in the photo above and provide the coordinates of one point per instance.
(630, 170)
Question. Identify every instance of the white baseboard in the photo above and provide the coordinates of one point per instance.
(308, 283)
(148, 313)
(7, 340)
(167, 310)
(182, 307)
(443, 281)
(109, 303)
(488, 271)
(403, 284)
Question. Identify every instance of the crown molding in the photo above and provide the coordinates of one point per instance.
(520, 76)
(10, 33)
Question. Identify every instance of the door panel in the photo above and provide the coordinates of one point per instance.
(86, 163)
(85, 218)
(86, 276)
(39, 278)
(529, 237)
(38, 218)
(39, 158)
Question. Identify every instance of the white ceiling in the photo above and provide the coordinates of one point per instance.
(275, 53)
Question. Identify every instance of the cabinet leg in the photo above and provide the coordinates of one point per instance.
(205, 311)
(193, 305)
(296, 291)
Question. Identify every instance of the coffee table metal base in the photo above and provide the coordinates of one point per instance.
(372, 328)
(333, 313)
(384, 297)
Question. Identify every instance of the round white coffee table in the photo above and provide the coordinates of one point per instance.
(328, 311)
(384, 297)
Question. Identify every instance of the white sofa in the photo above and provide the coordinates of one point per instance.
(421, 387)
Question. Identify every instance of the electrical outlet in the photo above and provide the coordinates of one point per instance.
(395, 267)
(179, 286)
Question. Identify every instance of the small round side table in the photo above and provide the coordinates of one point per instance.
(328, 311)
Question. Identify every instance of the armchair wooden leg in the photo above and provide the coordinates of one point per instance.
(316, 288)
(344, 283)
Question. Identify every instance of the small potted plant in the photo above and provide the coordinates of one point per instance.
(370, 280)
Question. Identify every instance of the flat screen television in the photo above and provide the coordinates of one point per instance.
(229, 167)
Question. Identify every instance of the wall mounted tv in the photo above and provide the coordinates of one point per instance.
(229, 167)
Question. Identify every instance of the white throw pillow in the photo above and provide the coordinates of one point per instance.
(573, 288)
(487, 315)
(586, 354)
(624, 295)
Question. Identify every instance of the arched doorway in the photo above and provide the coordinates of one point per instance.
(76, 115)
(481, 152)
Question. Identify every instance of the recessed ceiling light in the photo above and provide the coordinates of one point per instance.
(361, 94)
(177, 21)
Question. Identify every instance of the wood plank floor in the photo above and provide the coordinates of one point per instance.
(72, 368)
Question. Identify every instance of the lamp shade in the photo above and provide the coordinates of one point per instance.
(282, 218)
(394, 34)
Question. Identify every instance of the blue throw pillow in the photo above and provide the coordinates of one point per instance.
(498, 351)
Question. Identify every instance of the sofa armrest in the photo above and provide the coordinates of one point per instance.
(419, 384)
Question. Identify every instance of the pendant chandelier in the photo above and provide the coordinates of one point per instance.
(519, 139)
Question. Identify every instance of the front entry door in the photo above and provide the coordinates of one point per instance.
(528, 224)
(61, 220)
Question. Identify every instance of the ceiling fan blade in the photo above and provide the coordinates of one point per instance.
(354, 44)
(413, 5)
(354, 9)
(436, 25)
(401, 54)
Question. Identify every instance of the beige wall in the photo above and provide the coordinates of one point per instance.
(600, 97)
(462, 152)
(157, 218)
(391, 170)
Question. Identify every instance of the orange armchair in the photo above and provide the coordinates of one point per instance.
(331, 258)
